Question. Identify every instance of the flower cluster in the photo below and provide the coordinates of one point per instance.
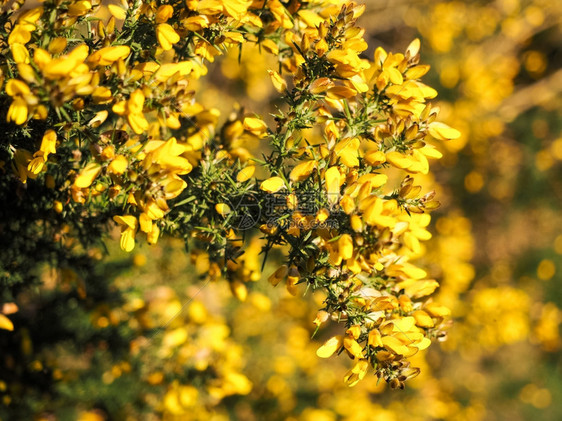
(101, 111)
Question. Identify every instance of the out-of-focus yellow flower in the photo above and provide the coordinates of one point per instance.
(5, 323)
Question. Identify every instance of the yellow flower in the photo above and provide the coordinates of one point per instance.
(357, 373)
(20, 163)
(167, 36)
(395, 345)
(437, 310)
(117, 12)
(21, 95)
(19, 35)
(108, 55)
(278, 275)
(129, 226)
(87, 175)
(167, 156)
(375, 339)
(345, 246)
(245, 174)
(153, 211)
(330, 347)
(236, 8)
(375, 158)
(152, 236)
(30, 18)
(418, 289)
(48, 146)
(348, 152)
(303, 170)
(332, 178)
(293, 277)
(133, 108)
(375, 214)
(278, 82)
(17, 111)
(57, 45)
(79, 8)
(423, 319)
(255, 125)
(19, 53)
(399, 160)
(272, 185)
(63, 66)
(6, 323)
(164, 13)
(118, 165)
(222, 209)
(353, 347)
(310, 18)
(443, 132)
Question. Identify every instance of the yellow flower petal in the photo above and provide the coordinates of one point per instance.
(166, 36)
(422, 319)
(127, 241)
(414, 48)
(332, 178)
(437, 310)
(443, 132)
(126, 221)
(222, 209)
(357, 373)
(330, 346)
(375, 339)
(345, 245)
(109, 55)
(399, 160)
(245, 174)
(353, 347)
(303, 170)
(278, 82)
(19, 53)
(88, 175)
(117, 12)
(5, 323)
(272, 185)
(255, 125)
(118, 165)
(278, 275)
(394, 345)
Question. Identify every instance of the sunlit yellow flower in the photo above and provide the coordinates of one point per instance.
(330, 347)
(167, 36)
(109, 55)
(164, 13)
(48, 146)
(87, 175)
(272, 185)
(129, 226)
(19, 53)
(117, 12)
(255, 125)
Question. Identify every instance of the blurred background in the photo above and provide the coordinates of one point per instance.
(146, 337)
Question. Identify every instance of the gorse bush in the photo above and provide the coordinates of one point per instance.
(101, 127)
